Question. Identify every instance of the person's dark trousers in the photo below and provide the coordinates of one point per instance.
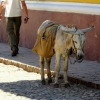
(13, 27)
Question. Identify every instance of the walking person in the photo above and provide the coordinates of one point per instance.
(13, 21)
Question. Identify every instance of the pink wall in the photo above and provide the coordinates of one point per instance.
(28, 32)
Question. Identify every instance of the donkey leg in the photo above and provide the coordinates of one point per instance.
(48, 61)
(65, 69)
(57, 69)
(42, 70)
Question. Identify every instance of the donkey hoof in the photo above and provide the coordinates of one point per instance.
(67, 85)
(43, 82)
(50, 81)
(56, 85)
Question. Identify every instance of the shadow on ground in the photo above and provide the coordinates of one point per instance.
(32, 89)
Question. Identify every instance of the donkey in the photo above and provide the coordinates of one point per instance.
(67, 41)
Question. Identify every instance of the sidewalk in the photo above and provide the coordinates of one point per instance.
(87, 72)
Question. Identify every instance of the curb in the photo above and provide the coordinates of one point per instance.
(30, 68)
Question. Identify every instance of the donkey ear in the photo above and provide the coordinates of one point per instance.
(68, 30)
(68, 34)
(87, 29)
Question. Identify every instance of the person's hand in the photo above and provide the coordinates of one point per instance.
(26, 20)
(1, 9)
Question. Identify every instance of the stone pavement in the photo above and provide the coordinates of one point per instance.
(87, 72)
(18, 84)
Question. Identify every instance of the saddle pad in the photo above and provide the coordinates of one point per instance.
(44, 47)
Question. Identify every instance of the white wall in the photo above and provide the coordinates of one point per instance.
(83, 8)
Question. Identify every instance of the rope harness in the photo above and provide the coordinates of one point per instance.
(74, 51)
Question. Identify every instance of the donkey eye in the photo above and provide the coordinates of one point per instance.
(75, 41)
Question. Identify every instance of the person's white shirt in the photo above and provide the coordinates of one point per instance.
(12, 8)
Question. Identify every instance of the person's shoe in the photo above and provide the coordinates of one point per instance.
(14, 52)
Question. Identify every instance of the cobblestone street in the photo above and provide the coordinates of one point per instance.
(17, 84)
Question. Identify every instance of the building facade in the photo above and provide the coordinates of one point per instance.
(82, 13)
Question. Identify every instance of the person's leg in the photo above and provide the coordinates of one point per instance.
(17, 25)
(11, 35)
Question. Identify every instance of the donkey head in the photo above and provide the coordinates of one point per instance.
(78, 38)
